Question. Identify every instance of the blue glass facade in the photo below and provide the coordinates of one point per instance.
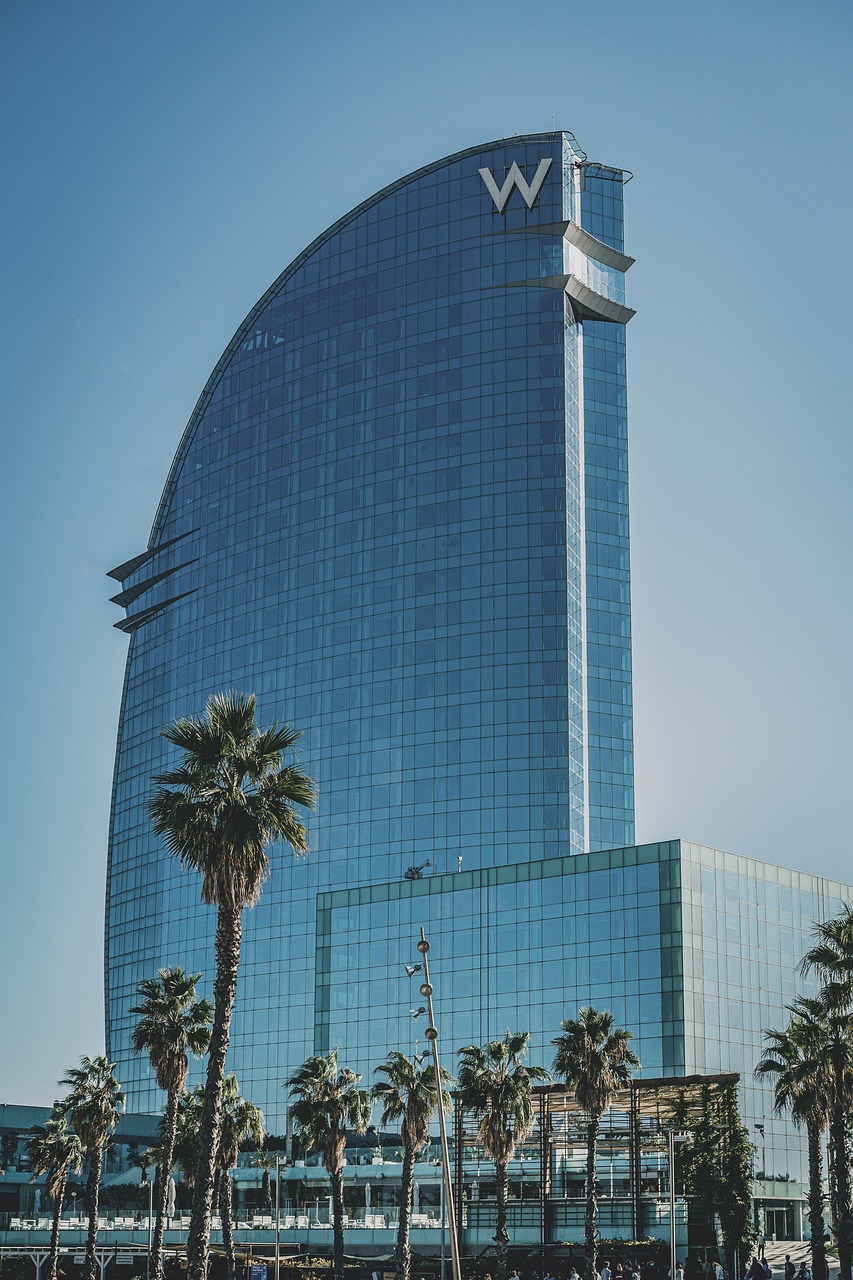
(694, 949)
(399, 515)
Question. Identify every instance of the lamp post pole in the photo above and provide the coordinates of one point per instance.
(150, 1182)
(443, 1211)
(670, 1152)
(432, 1036)
(671, 1138)
(277, 1215)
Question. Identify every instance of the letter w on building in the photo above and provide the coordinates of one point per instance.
(515, 178)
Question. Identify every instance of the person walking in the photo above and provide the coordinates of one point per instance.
(760, 1243)
(790, 1269)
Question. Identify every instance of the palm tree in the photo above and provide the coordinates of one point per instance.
(54, 1150)
(795, 1059)
(93, 1107)
(832, 959)
(594, 1060)
(495, 1083)
(408, 1094)
(229, 799)
(188, 1132)
(835, 1047)
(242, 1122)
(172, 1024)
(266, 1161)
(328, 1101)
(139, 1160)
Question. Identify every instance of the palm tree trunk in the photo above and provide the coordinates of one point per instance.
(591, 1200)
(815, 1201)
(53, 1256)
(93, 1187)
(403, 1252)
(844, 1210)
(170, 1124)
(266, 1190)
(501, 1233)
(229, 928)
(227, 1223)
(336, 1177)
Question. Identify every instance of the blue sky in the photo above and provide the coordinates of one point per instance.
(163, 162)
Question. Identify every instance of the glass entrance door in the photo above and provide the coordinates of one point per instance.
(779, 1224)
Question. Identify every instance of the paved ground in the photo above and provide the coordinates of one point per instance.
(799, 1251)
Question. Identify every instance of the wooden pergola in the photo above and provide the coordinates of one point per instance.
(633, 1133)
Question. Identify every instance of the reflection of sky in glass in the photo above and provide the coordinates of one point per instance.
(746, 926)
(522, 947)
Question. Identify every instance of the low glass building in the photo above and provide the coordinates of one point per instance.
(693, 949)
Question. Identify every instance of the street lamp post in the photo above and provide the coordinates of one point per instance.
(671, 1138)
(432, 1035)
(671, 1161)
(277, 1215)
(150, 1182)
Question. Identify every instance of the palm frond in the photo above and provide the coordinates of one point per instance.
(230, 797)
(172, 1023)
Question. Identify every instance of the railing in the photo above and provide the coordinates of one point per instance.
(296, 1221)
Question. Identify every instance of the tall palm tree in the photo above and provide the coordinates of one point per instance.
(835, 1045)
(172, 1024)
(594, 1060)
(326, 1102)
(795, 1059)
(231, 796)
(54, 1151)
(832, 959)
(496, 1085)
(93, 1107)
(408, 1095)
(242, 1122)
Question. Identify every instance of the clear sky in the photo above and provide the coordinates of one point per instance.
(161, 163)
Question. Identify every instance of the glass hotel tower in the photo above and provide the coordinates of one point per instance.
(399, 514)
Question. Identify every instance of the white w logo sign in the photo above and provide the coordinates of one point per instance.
(515, 178)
